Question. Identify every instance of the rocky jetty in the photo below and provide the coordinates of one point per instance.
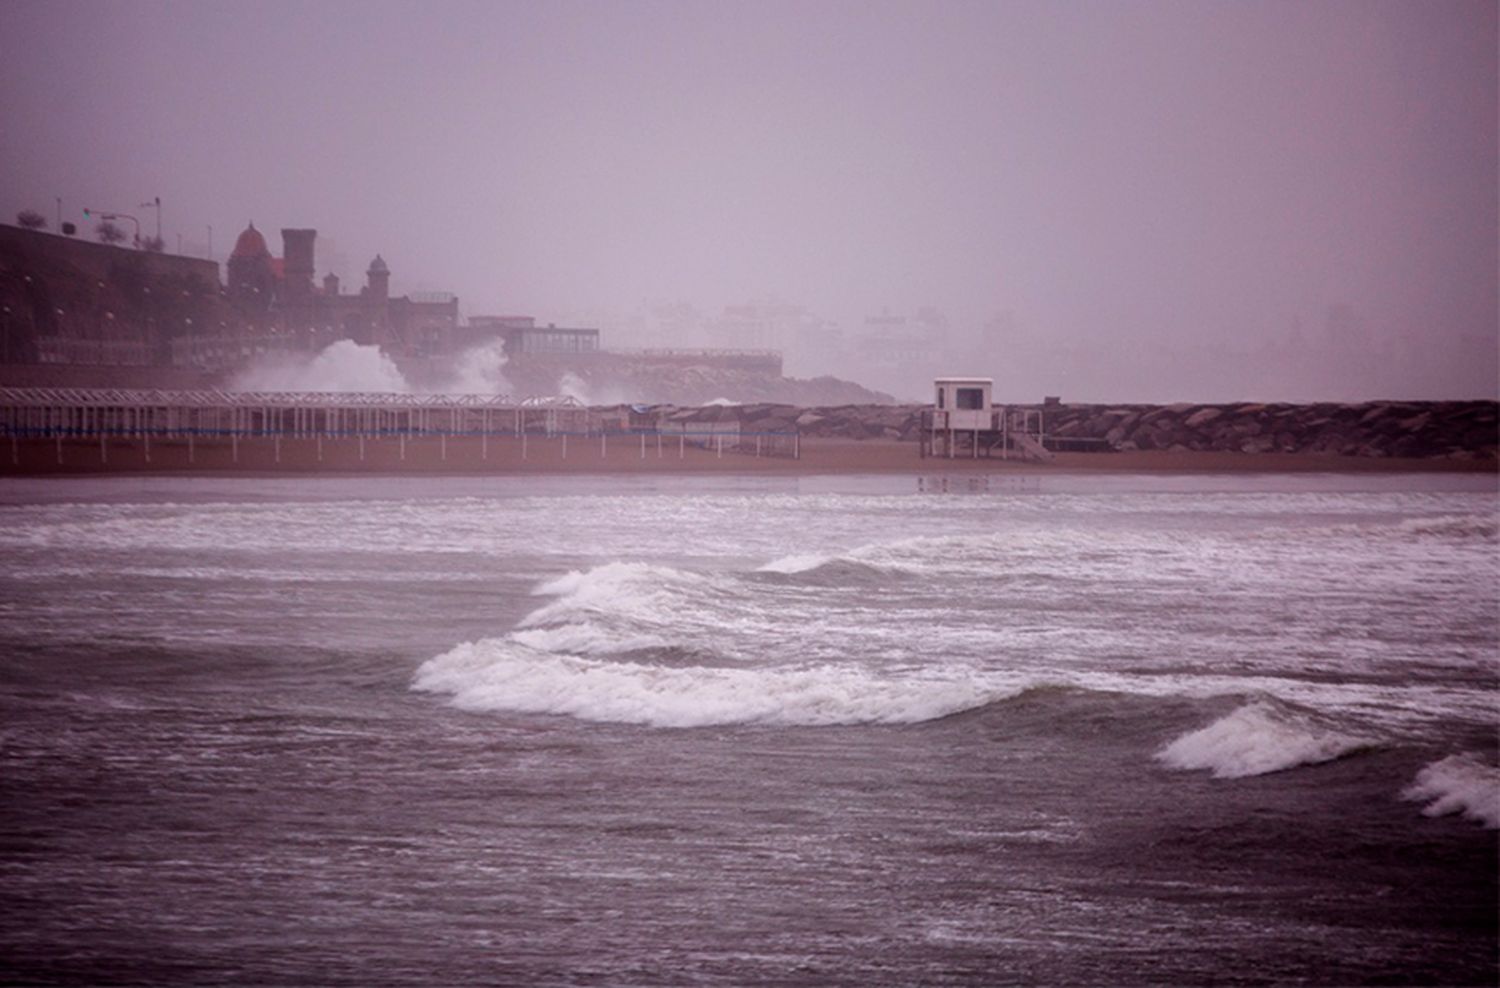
(1464, 430)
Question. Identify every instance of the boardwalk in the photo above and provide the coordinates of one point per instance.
(51, 429)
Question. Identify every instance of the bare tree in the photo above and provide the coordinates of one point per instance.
(154, 244)
(30, 219)
(108, 233)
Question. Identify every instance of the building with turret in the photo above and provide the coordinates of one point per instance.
(280, 296)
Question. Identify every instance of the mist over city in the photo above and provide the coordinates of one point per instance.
(1153, 201)
(857, 493)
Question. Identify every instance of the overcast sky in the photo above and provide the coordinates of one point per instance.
(1156, 172)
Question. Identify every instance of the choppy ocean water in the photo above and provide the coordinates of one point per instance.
(707, 730)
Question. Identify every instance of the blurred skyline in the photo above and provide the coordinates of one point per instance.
(1147, 201)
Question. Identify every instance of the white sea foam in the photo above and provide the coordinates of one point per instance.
(796, 563)
(341, 366)
(1459, 784)
(480, 370)
(502, 674)
(637, 591)
(1260, 737)
(588, 638)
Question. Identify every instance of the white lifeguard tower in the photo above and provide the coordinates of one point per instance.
(964, 420)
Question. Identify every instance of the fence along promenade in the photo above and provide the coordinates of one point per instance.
(100, 415)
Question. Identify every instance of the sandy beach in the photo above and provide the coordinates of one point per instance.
(636, 454)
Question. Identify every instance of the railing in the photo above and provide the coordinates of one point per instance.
(114, 397)
(65, 413)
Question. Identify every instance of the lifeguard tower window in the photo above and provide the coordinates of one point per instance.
(969, 399)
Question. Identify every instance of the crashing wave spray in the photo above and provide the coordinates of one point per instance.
(480, 370)
(341, 366)
(573, 386)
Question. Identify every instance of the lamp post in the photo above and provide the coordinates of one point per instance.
(91, 213)
(156, 205)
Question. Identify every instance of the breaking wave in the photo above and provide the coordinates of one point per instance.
(501, 674)
(796, 563)
(1485, 527)
(1261, 737)
(1454, 528)
(638, 643)
(1459, 784)
(922, 555)
(634, 588)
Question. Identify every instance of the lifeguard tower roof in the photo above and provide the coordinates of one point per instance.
(963, 380)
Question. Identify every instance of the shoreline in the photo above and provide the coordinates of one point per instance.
(642, 456)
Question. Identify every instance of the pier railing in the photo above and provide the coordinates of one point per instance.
(99, 415)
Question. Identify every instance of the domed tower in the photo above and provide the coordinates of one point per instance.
(249, 268)
(379, 276)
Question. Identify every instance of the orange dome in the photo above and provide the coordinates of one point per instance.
(250, 244)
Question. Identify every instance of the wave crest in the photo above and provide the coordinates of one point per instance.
(918, 555)
(632, 592)
(500, 674)
(1459, 784)
(1258, 738)
(1485, 527)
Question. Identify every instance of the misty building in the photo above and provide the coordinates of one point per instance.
(278, 295)
(898, 350)
(521, 335)
(69, 302)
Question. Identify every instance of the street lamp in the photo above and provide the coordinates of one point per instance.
(156, 205)
(91, 213)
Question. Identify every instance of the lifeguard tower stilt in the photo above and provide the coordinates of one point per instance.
(964, 423)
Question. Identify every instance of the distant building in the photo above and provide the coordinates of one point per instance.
(279, 295)
(65, 300)
(521, 335)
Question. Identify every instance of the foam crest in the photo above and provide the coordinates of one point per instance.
(1459, 784)
(632, 591)
(1258, 738)
(504, 675)
(927, 554)
(1482, 527)
(796, 563)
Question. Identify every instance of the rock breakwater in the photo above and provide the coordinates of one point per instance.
(1462, 430)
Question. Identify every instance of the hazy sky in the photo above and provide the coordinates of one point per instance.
(1161, 172)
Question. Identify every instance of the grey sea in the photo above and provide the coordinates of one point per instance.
(855, 731)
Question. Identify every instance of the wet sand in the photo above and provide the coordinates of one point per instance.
(632, 455)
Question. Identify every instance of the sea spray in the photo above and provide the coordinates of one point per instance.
(341, 366)
(570, 385)
(1459, 784)
(1260, 737)
(479, 370)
